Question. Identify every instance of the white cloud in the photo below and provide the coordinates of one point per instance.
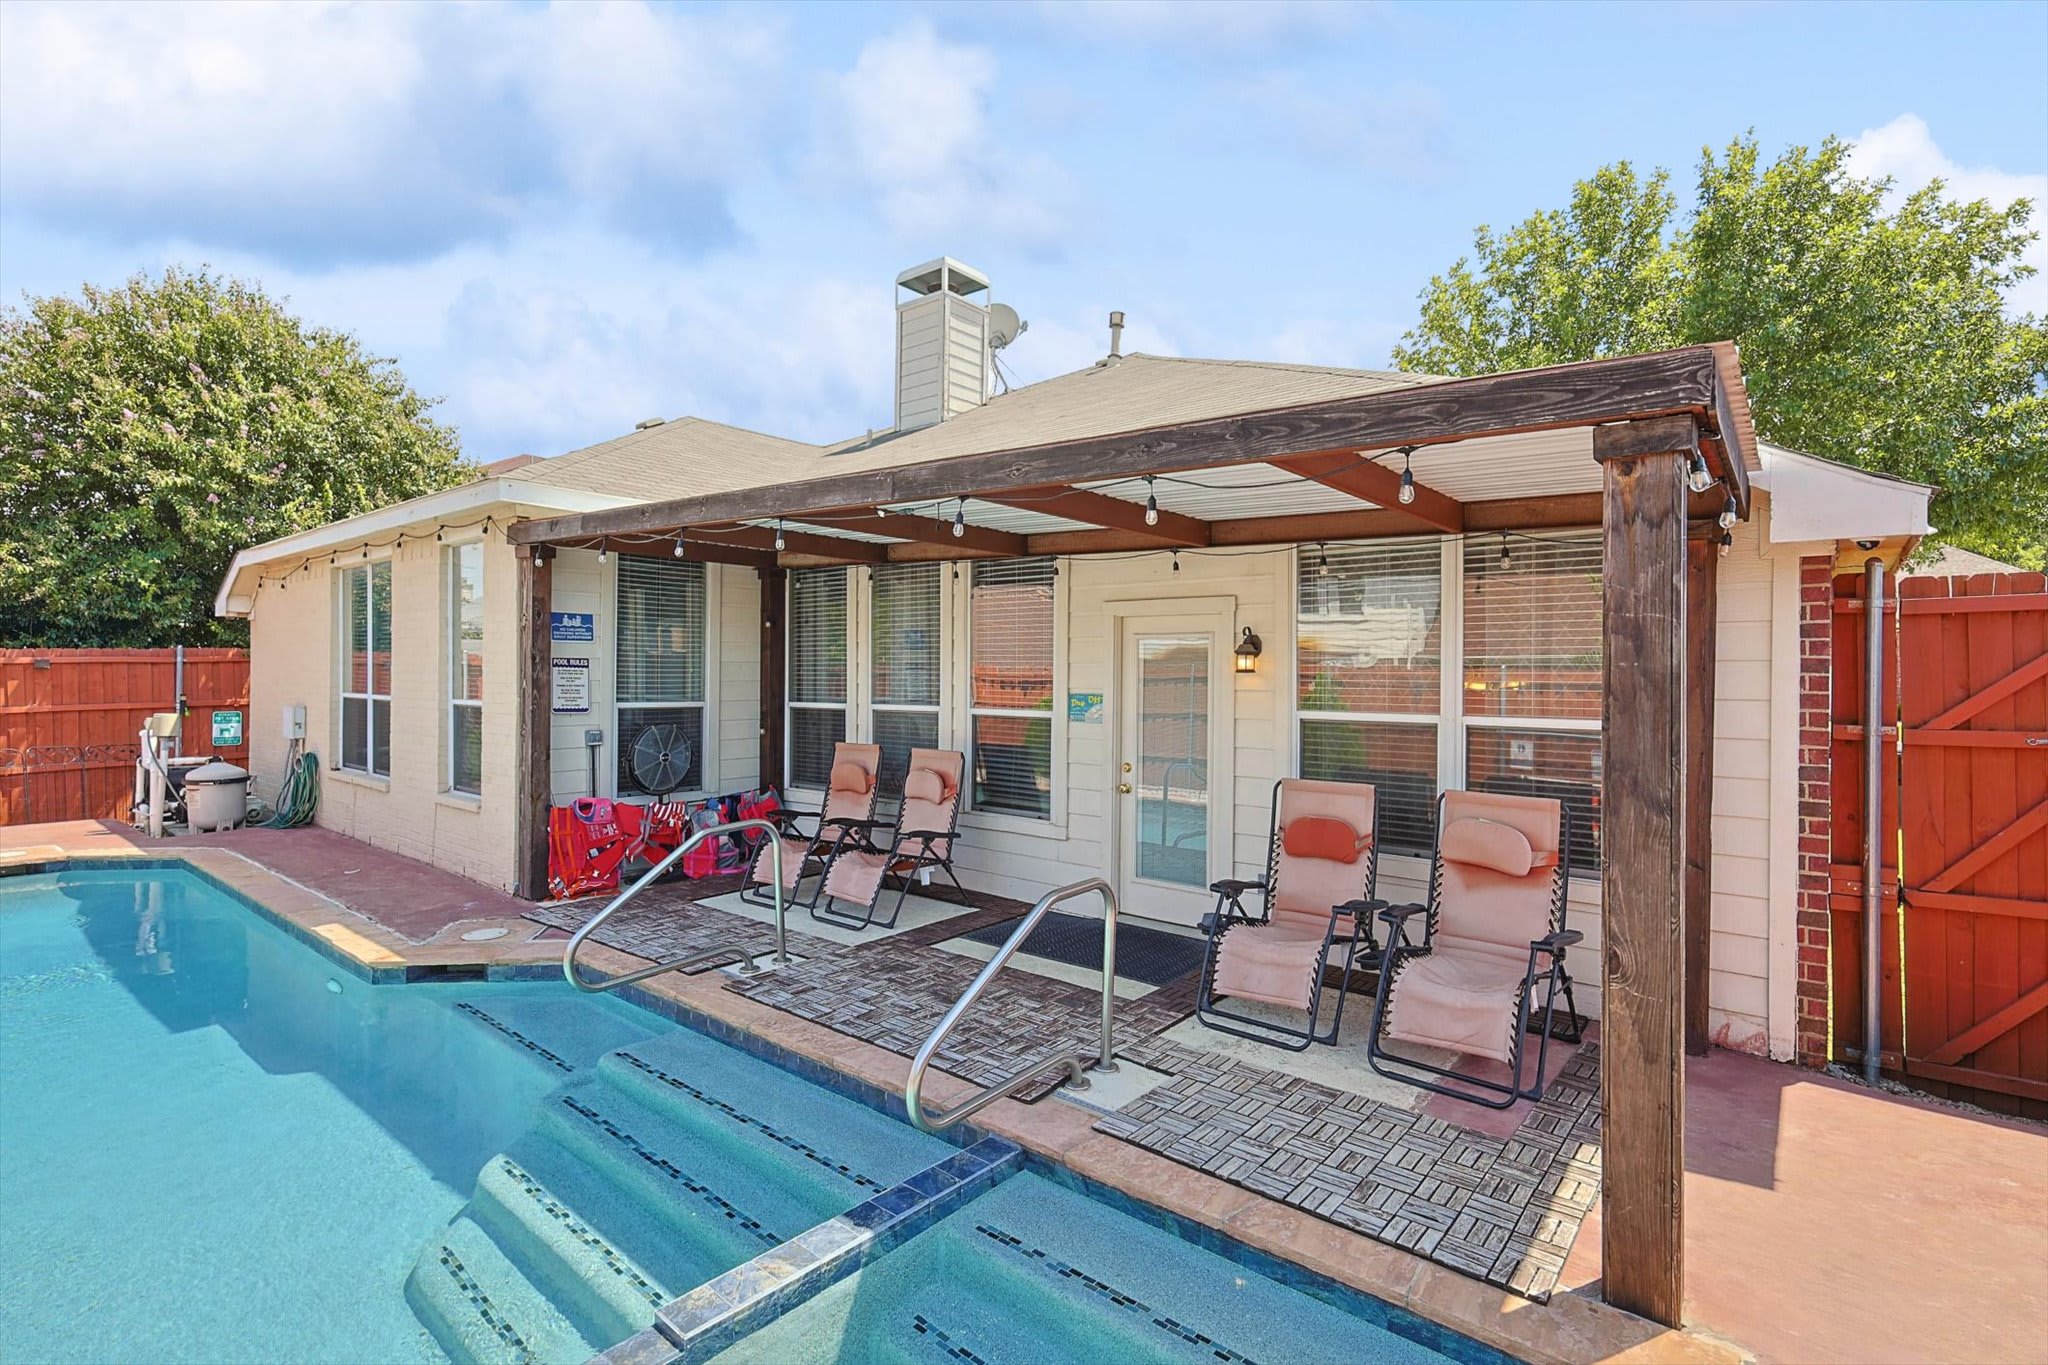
(1905, 151)
(375, 131)
(1222, 25)
(909, 124)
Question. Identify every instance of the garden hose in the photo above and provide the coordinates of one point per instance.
(299, 793)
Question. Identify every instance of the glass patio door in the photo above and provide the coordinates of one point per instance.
(1170, 824)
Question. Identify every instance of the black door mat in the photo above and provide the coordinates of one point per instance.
(1152, 956)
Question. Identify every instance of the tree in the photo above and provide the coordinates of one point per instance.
(150, 431)
(1878, 337)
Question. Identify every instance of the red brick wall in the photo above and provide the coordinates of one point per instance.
(1816, 596)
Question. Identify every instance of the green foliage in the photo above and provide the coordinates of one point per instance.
(1877, 338)
(149, 432)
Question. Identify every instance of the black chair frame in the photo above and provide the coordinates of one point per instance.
(917, 847)
(1549, 972)
(1230, 912)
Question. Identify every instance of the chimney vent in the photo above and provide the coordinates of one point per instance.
(646, 422)
(1116, 336)
(942, 342)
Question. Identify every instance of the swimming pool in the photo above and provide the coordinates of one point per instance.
(216, 1144)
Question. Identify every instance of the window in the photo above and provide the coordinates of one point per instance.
(904, 625)
(659, 693)
(1532, 679)
(817, 673)
(465, 575)
(1370, 672)
(1011, 686)
(366, 669)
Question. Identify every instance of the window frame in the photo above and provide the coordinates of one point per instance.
(1454, 723)
(1054, 822)
(855, 669)
(451, 589)
(344, 578)
(866, 643)
(706, 706)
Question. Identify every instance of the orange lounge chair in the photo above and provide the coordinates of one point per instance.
(1321, 863)
(849, 801)
(920, 841)
(1493, 932)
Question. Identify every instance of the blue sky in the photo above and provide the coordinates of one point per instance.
(563, 219)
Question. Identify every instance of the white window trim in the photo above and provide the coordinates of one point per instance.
(609, 758)
(366, 563)
(1054, 824)
(1452, 722)
(451, 655)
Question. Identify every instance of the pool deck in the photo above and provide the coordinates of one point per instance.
(1824, 1221)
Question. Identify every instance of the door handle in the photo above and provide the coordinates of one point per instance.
(1124, 787)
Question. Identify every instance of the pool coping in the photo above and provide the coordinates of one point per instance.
(1055, 1139)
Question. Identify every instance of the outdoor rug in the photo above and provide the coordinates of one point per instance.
(667, 921)
(1152, 956)
(1505, 1210)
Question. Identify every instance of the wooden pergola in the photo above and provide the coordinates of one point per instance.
(1653, 419)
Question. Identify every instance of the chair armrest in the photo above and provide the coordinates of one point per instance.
(1556, 943)
(1237, 886)
(933, 835)
(848, 822)
(1358, 909)
(1398, 915)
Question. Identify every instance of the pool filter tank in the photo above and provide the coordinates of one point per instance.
(216, 796)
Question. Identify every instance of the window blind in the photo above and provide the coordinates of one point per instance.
(661, 632)
(465, 625)
(1012, 626)
(1397, 758)
(817, 673)
(1532, 628)
(1370, 628)
(905, 624)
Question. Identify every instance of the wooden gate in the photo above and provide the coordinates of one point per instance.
(69, 717)
(1966, 974)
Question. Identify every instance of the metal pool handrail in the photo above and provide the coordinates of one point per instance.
(913, 1092)
(746, 956)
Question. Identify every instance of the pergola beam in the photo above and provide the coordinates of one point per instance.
(844, 549)
(1360, 476)
(926, 530)
(1624, 388)
(694, 550)
(1100, 509)
(1643, 804)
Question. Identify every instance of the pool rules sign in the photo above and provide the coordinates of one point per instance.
(571, 687)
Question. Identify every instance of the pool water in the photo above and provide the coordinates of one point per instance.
(215, 1145)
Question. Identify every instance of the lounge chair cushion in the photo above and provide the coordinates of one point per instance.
(848, 776)
(1461, 996)
(1325, 837)
(794, 851)
(855, 876)
(1274, 963)
(1491, 844)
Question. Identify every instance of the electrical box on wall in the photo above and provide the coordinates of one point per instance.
(294, 722)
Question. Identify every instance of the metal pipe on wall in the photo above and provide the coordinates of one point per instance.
(1873, 816)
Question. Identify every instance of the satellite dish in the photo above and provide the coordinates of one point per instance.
(660, 759)
(1004, 326)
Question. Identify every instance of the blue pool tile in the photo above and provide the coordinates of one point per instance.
(870, 1216)
(648, 1347)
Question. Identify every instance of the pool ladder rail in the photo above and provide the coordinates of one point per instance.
(932, 1121)
(745, 954)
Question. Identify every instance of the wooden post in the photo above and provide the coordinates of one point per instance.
(774, 677)
(1702, 573)
(1643, 806)
(536, 721)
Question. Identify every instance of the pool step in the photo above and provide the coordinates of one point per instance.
(482, 1310)
(565, 1036)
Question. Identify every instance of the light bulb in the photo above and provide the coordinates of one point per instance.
(1151, 503)
(1727, 543)
(603, 551)
(679, 545)
(1697, 478)
(1322, 560)
(1727, 517)
(1407, 478)
(1505, 557)
(959, 520)
(1176, 561)
(780, 543)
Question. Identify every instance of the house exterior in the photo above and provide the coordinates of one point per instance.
(709, 629)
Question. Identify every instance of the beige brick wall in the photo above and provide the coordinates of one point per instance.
(294, 638)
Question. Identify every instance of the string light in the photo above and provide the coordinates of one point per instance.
(960, 519)
(1728, 513)
(1697, 478)
(1506, 556)
(780, 543)
(1322, 559)
(1727, 543)
(603, 550)
(438, 538)
(679, 543)
(1176, 561)
(1407, 476)
(1151, 503)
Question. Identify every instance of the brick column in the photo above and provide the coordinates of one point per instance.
(1816, 646)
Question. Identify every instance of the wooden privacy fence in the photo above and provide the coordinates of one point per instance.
(1965, 836)
(69, 718)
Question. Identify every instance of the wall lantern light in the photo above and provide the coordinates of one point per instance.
(1248, 650)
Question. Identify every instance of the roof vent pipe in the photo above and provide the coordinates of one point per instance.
(647, 422)
(1116, 336)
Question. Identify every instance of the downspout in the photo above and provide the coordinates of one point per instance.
(178, 699)
(1873, 815)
